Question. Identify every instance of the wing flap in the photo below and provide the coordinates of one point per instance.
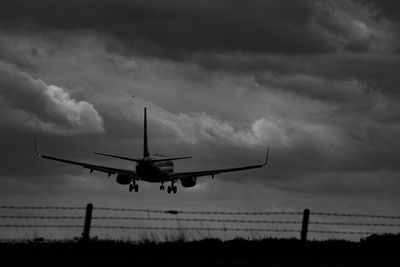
(93, 167)
(168, 159)
(183, 175)
(118, 157)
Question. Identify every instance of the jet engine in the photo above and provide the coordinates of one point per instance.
(123, 179)
(188, 182)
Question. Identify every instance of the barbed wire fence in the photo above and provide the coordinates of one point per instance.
(204, 223)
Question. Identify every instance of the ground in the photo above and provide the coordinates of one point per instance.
(372, 251)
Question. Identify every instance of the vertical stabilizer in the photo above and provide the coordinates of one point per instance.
(145, 144)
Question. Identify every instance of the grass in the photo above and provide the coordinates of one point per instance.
(372, 251)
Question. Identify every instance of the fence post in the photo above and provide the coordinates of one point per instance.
(304, 225)
(88, 219)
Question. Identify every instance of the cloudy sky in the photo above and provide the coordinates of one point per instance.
(317, 81)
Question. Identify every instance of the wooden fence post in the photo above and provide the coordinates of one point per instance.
(88, 219)
(304, 226)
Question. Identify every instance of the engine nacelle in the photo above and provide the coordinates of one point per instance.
(188, 182)
(123, 179)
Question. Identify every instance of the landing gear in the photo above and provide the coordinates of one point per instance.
(172, 188)
(162, 187)
(133, 186)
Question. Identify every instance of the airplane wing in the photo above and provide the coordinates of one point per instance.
(91, 167)
(187, 175)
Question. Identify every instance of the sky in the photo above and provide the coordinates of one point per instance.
(316, 81)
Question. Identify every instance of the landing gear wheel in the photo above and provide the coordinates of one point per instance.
(174, 189)
(130, 187)
(162, 188)
(136, 186)
(169, 189)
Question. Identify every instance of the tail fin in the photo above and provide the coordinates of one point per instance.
(145, 144)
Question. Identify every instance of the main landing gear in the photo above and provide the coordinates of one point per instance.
(170, 189)
(162, 187)
(132, 186)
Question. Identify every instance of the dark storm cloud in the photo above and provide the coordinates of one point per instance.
(178, 27)
(386, 8)
(314, 80)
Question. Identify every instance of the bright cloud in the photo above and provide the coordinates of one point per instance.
(50, 108)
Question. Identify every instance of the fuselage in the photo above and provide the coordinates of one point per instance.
(154, 172)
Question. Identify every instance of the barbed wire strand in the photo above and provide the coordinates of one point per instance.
(145, 227)
(41, 217)
(42, 208)
(195, 220)
(354, 215)
(219, 229)
(146, 219)
(175, 212)
(356, 224)
(155, 210)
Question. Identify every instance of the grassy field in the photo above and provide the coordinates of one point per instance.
(374, 250)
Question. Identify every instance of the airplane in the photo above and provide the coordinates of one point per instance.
(151, 168)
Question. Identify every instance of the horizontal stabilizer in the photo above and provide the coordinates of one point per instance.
(118, 157)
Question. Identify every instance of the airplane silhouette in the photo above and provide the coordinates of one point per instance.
(151, 168)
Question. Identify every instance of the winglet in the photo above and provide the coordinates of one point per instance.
(266, 158)
(36, 150)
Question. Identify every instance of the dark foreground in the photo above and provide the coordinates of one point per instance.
(372, 251)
